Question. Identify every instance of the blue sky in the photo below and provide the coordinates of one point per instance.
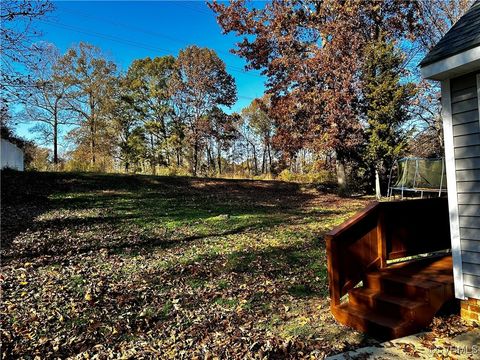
(128, 30)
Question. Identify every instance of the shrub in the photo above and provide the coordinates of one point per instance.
(314, 177)
(172, 171)
(286, 175)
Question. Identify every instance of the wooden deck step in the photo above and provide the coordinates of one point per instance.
(400, 299)
(397, 284)
(368, 299)
(428, 268)
(378, 325)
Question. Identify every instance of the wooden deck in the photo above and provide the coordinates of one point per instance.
(400, 299)
(389, 301)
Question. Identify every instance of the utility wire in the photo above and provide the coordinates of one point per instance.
(156, 34)
(104, 36)
(190, 6)
(136, 29)
(128, 42)
(123, 41)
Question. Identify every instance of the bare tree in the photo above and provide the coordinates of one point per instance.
(46, 103)
(256, 114)
(438, 16)
(17, 33)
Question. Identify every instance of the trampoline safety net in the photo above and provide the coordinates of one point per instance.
(419, 175)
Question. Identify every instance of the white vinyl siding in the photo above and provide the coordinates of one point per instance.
(466, 142)
(11, 156)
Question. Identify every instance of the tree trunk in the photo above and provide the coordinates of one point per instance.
(269, 158)
(264, 160)
(248, 159)
(304, 161)
(55, 140)
(378, 192)
(92, 141)
(210, 161)
(195, 158)
(341, 177)
(153, 162)
(92, 129)
(234, 158)
(255, 160)
(219, 159)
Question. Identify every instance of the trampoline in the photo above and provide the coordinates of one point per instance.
(418, 176)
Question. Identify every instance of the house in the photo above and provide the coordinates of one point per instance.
(12, 156)
(394, 265)
(455, 62)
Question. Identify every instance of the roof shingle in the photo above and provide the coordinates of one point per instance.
(464, 35)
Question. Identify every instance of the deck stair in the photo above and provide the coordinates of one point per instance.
(399, 299)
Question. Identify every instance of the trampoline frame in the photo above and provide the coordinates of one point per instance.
(414, 189)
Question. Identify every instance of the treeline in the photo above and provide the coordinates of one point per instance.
(162, 112)
(343, 96)
(162, 115)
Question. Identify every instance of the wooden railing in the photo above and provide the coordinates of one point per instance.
(384, 231)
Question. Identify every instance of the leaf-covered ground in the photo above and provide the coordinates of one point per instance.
(163, 267)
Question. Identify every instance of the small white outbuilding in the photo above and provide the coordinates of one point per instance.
(12, 156)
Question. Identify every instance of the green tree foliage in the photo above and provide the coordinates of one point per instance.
(90, 79)
(200, 84)
(337, 78)
(386, 102)
(127, 132)
(149, 83)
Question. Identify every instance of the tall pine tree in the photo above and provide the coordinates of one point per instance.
(386, 102)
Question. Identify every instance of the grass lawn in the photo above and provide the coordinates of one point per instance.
(144, 266)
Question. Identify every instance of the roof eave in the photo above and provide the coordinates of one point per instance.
(453, 66)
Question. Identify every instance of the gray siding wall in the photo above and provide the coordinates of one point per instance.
(466, 141)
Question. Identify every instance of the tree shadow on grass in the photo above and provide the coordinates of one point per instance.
(106, 206)
(57, 238)
(274, 262)
(118, 221)
(55, 247)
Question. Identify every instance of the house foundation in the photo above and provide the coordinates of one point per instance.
(470, 310)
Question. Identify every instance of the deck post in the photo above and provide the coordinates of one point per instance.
(381, 239)
(334, 286)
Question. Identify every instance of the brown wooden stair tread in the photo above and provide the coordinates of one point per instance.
(374, 323)
(427, 273)
(398, 300)
(397, 284)
(372, 298)
(428, 266)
